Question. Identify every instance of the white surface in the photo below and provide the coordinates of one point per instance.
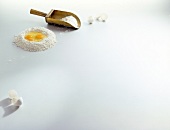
(105, 76)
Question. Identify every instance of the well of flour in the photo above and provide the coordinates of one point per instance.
(35, 39)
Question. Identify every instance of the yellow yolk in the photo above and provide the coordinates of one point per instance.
(35, 36)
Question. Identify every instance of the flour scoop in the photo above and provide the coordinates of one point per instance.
(61, 18)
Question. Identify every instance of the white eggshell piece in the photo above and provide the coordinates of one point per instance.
(12, 94)
(14, 100)
(102, 18)
(90, 19)
(19, 102)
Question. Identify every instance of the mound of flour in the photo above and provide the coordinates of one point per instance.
(48, 42)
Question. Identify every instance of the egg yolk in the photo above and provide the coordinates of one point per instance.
(35, 36)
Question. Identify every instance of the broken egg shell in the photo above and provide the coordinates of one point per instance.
(90, 19)
(102, 18)
(12, 94)
(19, 102)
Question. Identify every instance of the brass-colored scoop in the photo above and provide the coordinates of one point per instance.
(58, 17)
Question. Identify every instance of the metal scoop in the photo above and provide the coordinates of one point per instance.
(61, 18)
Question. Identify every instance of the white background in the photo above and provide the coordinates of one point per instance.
(105, 76)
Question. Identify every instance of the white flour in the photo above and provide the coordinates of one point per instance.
(45, 44)
(71, 20)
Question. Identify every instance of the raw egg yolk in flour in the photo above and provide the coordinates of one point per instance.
(35, 36)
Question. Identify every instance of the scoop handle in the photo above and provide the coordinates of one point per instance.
(36, 12)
